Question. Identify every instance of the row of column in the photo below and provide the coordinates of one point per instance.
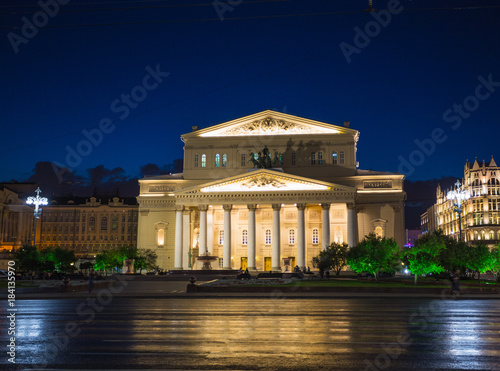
(180, 234)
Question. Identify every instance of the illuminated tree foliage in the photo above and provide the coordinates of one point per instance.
(334, 257)
(480, 259)
(113, 259)
(374, 255)
(28, 259)
(423, 258)
(495, 262)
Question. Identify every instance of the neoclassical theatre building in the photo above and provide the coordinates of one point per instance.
(266, 192)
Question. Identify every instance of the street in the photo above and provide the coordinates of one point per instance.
(242, 333)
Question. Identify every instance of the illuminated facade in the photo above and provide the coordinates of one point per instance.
(480, 215)
(88, 226)
(16, 218)
(266, 218)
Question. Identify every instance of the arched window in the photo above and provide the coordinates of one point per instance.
(315, 236)
(196, 158)
(217, 160)
(341, 157)
(334, 157)
(320, 158)
(160, 237)
(221, 237)
(291, 236)
(313, 158)
(268, 237)
(203, 160)
(294, 159)
(104, 224)
(91, 224)
(339, 238)
(224, 160)
(244, 237)
(498, 235)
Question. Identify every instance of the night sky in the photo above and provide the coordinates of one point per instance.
(417, 78)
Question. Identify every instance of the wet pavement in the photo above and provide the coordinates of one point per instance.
(273, 333)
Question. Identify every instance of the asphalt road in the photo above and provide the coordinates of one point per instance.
(245, 333)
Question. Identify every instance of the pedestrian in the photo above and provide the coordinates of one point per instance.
(91, 281)
(455, 283)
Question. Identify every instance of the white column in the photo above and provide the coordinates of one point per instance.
(186, 240)
(351, 225)
(178, 237)
(203, 229)
(301, 236)
(275, 241)
(326, 226)
(226, 252)
(251, 237)
(210, 231)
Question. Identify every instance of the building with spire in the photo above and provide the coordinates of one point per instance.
(479, 219)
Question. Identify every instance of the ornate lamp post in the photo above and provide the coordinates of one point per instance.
(459, 195)
(37, 201)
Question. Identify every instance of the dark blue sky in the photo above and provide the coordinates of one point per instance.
(395, 90)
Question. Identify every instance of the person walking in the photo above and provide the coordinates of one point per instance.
(455, 283)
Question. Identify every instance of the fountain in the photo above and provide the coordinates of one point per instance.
(206, 259)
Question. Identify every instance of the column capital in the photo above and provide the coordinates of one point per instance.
(227, 207)
(276, 207)
(325, 206)
(179, 207)
(252, 207)
(203, 207)
(301, 206)
(351, 205)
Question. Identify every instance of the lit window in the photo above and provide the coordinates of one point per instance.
(268, 236)
(224, 160)
(92, 224)
(315, 236)
(313, 158)
(160, 237)
(217, 160)
(221, 237)
(291, 236)
(320, 158)
(334, 158)
(341, 157)
(256, 156)
(114, 225)
(196, 160)
(244, 237)
(243, 160)
(203, 160)
(293, 158)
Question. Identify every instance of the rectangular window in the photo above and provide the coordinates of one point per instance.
(217, 160)
(315, 236)
(244, 237)
(320, 158)
(334, 157)
(243, 160)
(268, 236)
(221, 237)
(341, 157)
(313, 158)
(293, 158)
(203, 160)
(196, 160)
(224, 160)
(291, 236)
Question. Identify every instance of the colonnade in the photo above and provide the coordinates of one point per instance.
(182, 223)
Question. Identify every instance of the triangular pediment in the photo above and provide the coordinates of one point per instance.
(269, 123)
(265, 180)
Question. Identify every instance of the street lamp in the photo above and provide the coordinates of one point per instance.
(37, 201)
(459, 195)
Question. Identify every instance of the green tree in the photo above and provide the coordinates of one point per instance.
(145, 259)
(454, 256)
(28, 259)
(423, 258)
(334, 257)
(374, 255)
(495, 262)
(63, 260)
(480, 259)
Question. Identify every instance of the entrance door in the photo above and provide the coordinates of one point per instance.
(292, 262)
(244, 263)
(267, 264)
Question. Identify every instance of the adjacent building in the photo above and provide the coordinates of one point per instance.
(266, 192)
(88, 226)
(480, 214)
